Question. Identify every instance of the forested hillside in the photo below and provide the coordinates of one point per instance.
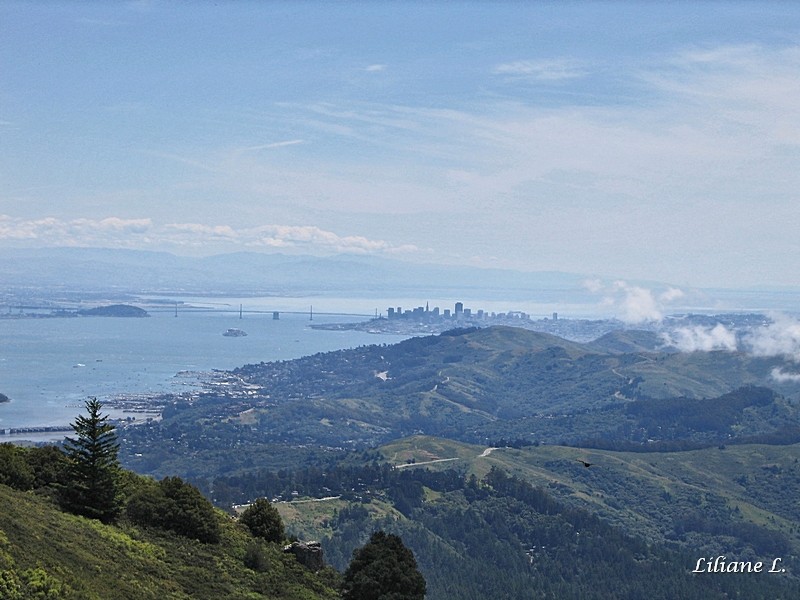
(476, 386)
(509, 522)
(572, 470)
(167, 543)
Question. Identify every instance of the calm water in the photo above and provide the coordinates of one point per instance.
(48, 367)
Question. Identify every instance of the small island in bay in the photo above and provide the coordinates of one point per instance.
(233, 332)
(4, 398)
(114, 310)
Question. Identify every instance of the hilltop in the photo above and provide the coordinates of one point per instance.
(476, 386)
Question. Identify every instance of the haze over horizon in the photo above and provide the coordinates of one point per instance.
(651, 141)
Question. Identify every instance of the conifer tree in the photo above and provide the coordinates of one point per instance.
(92, 489)
(383, 569)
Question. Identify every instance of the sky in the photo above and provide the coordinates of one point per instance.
(636, 140)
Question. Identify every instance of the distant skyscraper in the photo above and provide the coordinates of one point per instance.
(459, 308)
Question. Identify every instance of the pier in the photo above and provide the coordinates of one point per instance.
(44, 429)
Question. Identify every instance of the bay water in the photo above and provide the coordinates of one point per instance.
(49, 366)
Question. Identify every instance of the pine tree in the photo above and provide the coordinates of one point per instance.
(383, 569)
(92, 490)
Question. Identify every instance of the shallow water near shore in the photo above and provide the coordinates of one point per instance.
(48, 367)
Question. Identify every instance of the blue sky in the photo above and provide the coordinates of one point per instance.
(656, 141)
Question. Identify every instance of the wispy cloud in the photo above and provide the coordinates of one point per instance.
(186, 160)
(52, 231)
(749, 88)
(543, 70)
(276, 145)
(663, 186)
(131, 233)
(305, 237)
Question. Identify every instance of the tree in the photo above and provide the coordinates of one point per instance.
(263, 521)
(14, 469)
(190, 514)
(94, 468)
(176, 505)
(383, 569)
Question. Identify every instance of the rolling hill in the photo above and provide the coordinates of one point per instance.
(474, 385)
(511, 522)
(46, 553)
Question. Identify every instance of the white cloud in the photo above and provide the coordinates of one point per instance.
(52, 231)
(671, 294)
(631, 303)
(543, 70)
(782, 376)
(638, 304)
(118, 232)
(314, 237)
(375, 68)
(276, 145)
(779, 338)
(702, 339)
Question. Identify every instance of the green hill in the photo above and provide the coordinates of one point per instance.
(469, 385)
(534, 521)
(46, 553)
(720, 493)
(658, 469)
(114, 310)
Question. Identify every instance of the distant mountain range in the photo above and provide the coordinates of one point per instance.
(135, 271)
(114, 273)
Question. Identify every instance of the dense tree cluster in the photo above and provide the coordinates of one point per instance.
(351, 481)
(44, 468)
(384, 569)
(263, 521)
(175, 505)
(505, 539)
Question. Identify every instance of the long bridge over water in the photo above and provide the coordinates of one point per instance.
(56, 311)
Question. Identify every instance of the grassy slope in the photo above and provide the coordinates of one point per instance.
(644, 493)
(95, 561)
